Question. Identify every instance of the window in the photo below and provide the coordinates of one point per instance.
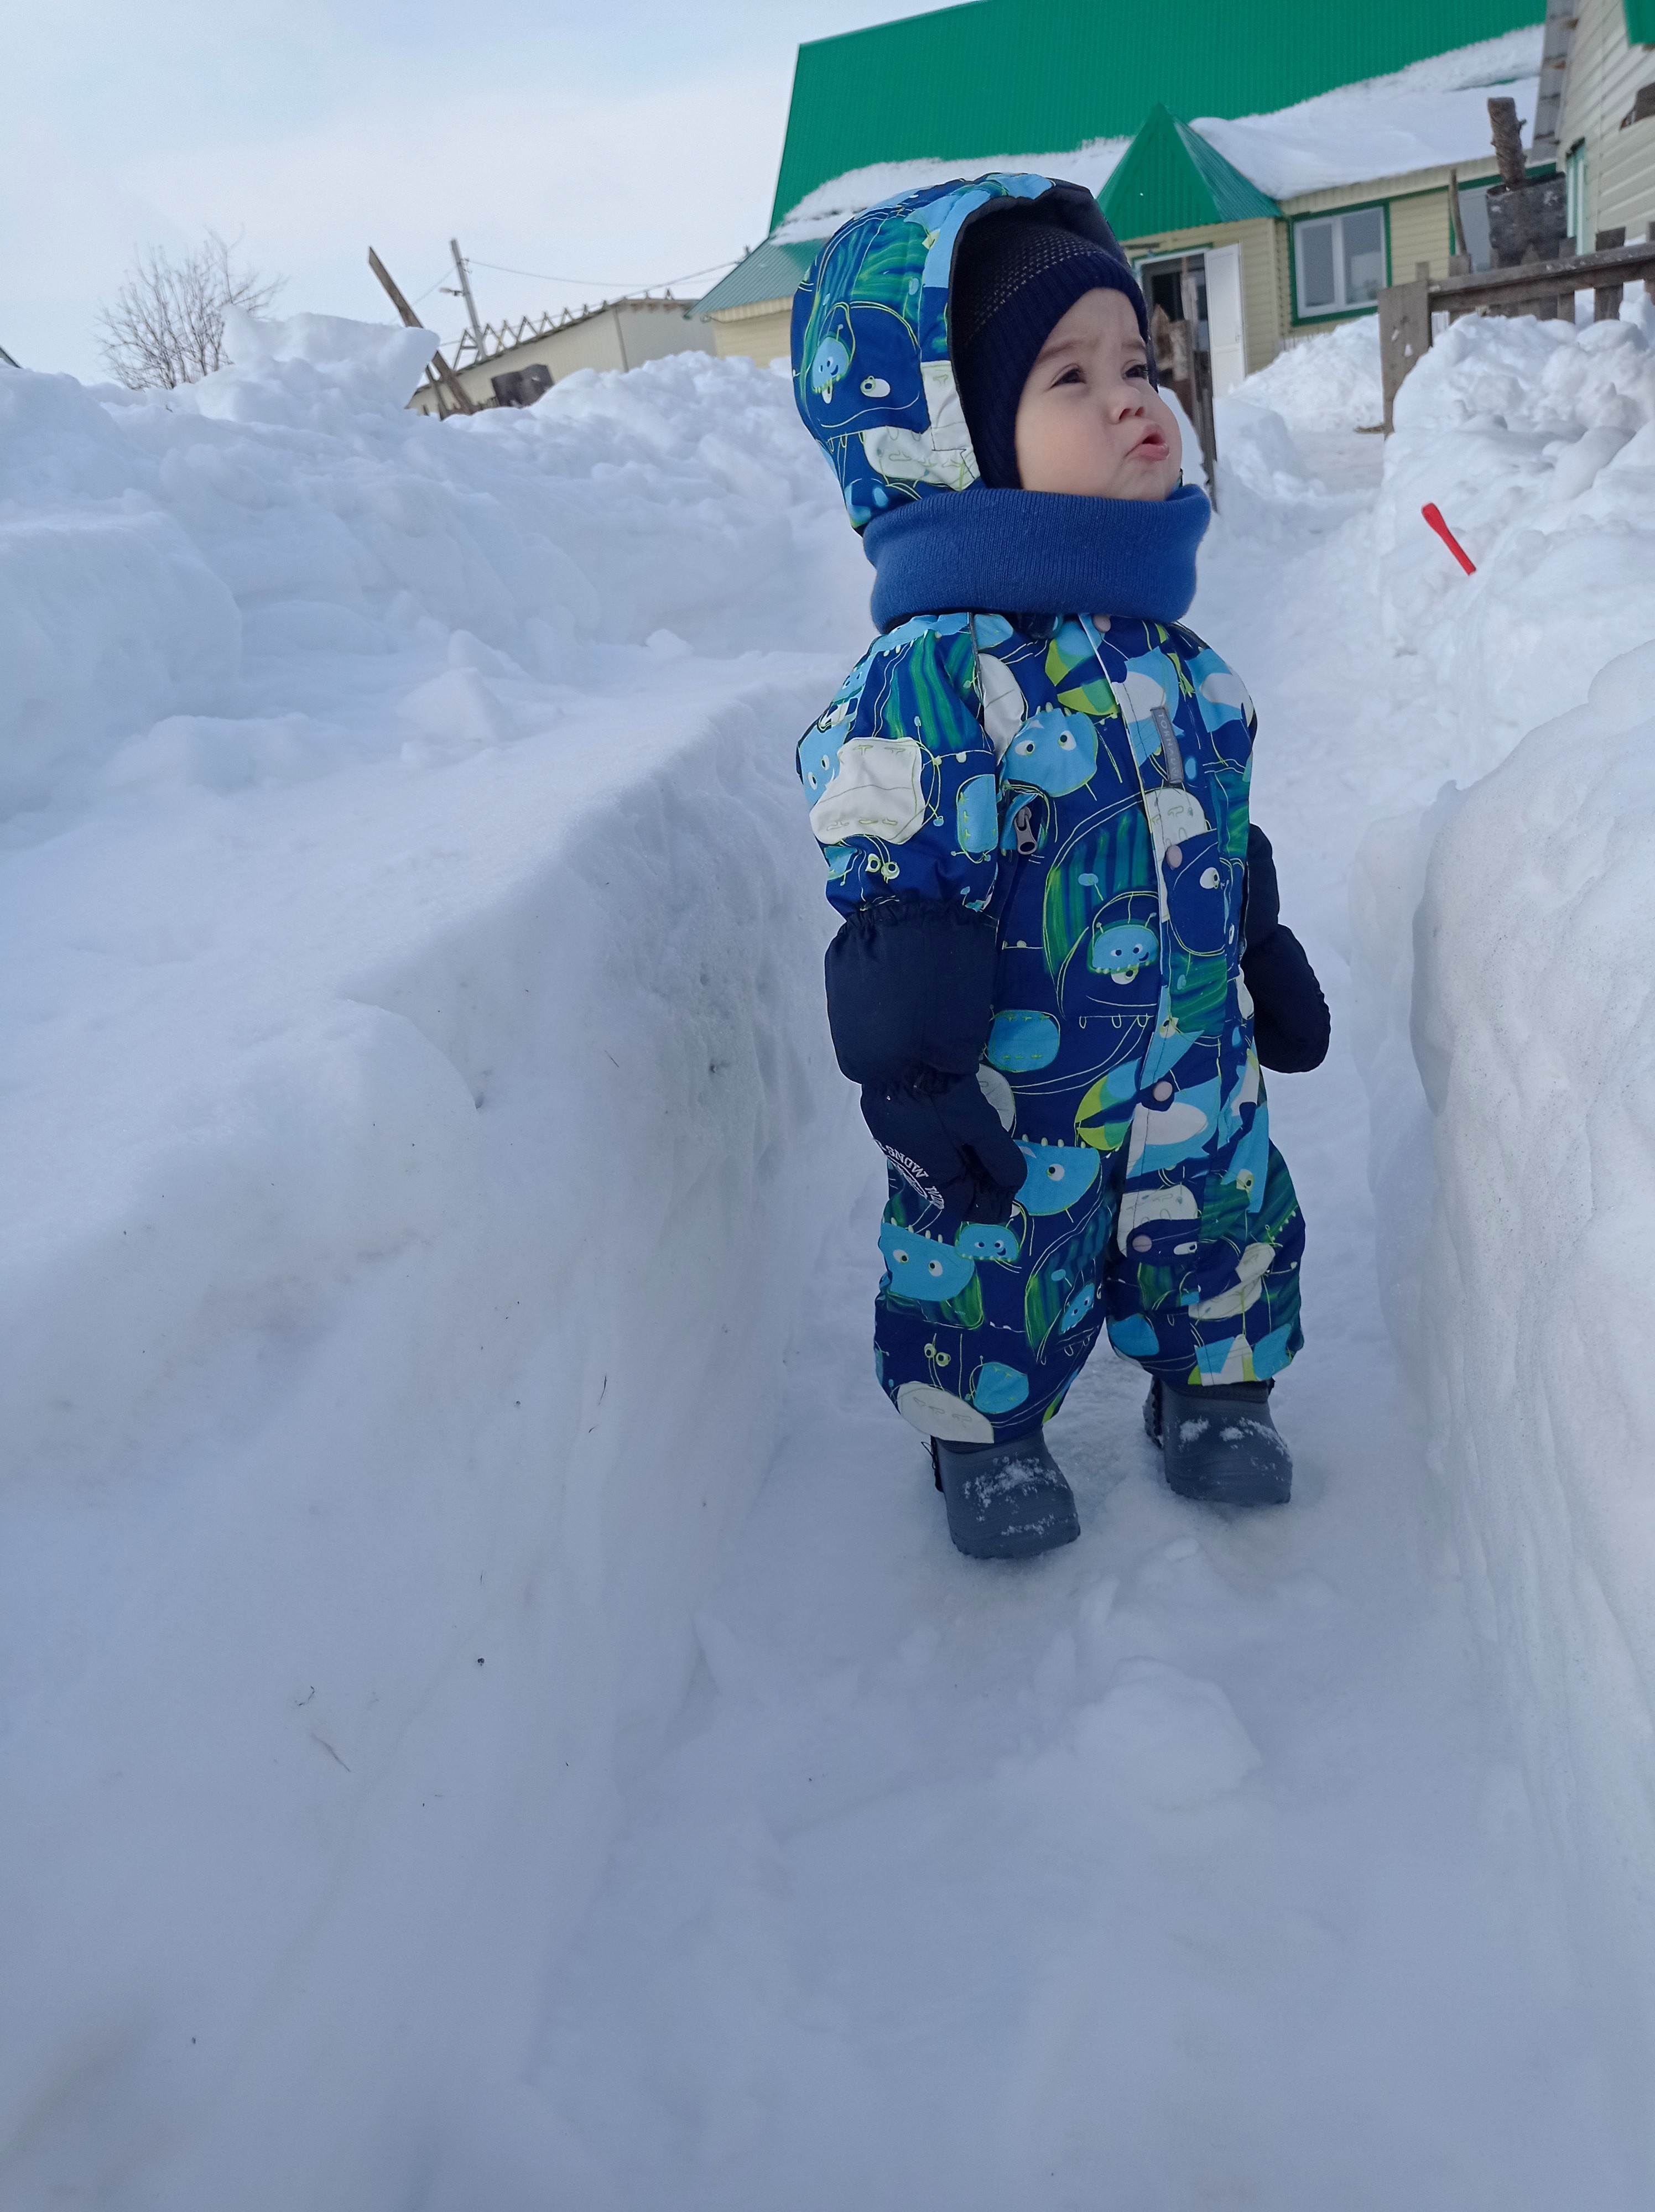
(1339, 261)
(1474, 207)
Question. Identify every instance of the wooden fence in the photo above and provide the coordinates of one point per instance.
(1405, 310)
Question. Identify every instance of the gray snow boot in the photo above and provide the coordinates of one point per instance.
(1219, 1443)
(1005, 1501)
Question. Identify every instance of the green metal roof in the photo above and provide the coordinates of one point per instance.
(1170, 179)
(773, 271)
(1031, 77)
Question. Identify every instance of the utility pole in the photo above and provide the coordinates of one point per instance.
(463, 402)
(465, 288)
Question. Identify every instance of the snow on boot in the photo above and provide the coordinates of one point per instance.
(1005, 1501)
(1219, 1443)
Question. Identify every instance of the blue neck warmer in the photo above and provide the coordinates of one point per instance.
(1038, 553)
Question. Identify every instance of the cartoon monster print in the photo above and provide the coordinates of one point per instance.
(1022, 1039)
(1059, 1177)
(865, 371)
(1119, 949)
(999, 1389)
(923, 1268)
(1000, 1241)
(1054, 752)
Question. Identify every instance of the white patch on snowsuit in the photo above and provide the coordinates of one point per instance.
(1253, 1265)
(1004, 708)
(877, 791)
(1177, 1203)
(936, 1412)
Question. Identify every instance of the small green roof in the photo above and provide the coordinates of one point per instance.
(1170, 179)
(774, 271)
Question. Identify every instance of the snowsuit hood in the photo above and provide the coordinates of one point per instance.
(873, 380)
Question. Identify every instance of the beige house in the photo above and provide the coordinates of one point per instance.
(751, 311)
(1268, 272)
(618, 335)
(1286, 223)
(1606, 121)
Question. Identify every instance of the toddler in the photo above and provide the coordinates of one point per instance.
(1060, 963)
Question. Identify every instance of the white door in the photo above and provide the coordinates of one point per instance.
(1225, 339)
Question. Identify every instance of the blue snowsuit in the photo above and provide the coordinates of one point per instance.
(1037, 829)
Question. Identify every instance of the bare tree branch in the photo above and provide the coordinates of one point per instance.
(166, 327)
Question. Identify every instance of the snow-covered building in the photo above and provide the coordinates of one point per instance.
(619, 334)
(1292, 221)
(1287, 157)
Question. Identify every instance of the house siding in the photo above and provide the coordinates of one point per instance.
(1604, 73)
(762, 331)
(1420, 230)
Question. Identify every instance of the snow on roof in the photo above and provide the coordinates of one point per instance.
(1433, 112)
(819, 214)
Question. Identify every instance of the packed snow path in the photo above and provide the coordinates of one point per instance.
(1186, 1869)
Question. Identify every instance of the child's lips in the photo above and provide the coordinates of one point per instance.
(1152, 447)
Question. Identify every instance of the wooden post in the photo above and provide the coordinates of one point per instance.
(1606, 299)
(1404, 335)
(1507, 133)
(463, 402)
(1460, 262)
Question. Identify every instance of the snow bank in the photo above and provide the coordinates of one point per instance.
(186, 553)
(1502, 938)
(417, 1114)
(1330, 382)
(1537, 443)
(1534, 1035)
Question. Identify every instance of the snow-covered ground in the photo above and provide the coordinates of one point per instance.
(491, 1717)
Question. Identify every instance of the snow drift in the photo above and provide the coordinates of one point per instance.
(1503, 937)
(417, 1116)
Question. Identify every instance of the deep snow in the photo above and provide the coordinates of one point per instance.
(491, 1717)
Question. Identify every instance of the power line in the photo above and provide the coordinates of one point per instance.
(429, 288)
(544, 276)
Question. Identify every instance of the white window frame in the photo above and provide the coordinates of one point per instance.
(1335, 218)
(1574, 178)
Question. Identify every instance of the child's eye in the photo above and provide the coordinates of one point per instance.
(1139, 368)
(1073, 374)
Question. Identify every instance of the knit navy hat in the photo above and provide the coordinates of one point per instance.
(1016, 278)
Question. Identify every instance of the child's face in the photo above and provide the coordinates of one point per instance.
(1090, 422)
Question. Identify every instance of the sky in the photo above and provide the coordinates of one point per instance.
(576, 151)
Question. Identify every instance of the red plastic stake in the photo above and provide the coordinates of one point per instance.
(1433, 514)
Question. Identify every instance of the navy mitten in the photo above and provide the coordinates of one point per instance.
(951, 1146)
(1291, 1023)
(911, 996)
